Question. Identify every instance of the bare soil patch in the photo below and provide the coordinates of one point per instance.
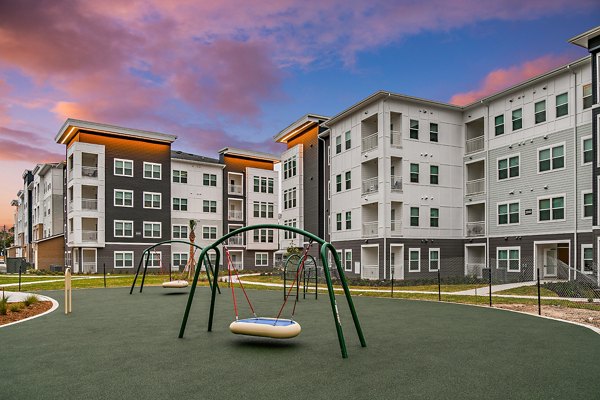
(25, 312)
(581, 315)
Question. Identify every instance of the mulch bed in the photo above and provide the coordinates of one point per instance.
(581, 315)
(25, 312)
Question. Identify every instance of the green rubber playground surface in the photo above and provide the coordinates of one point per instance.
(117, 346)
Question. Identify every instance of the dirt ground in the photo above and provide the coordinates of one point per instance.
(583, 316)
(25, 312)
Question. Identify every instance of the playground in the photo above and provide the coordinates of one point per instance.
(116, 345)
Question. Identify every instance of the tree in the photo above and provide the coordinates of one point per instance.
(191, 264)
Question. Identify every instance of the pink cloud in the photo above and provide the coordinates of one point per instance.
(504, 78)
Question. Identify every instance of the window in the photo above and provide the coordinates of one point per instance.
(209, 179)
(338, 221)
(261, 259)
(179, 204)
(348, 140)
(517, 119)
(180, 260)
(123, 198)
(179, 176)
(263, 184)
(499, 125)
(414, 173)
(434, 260)
(123, 167)
(154, 259)
(180, 231)
(433, 174)
(562, 105)
(508, 213)
(588, 205)
(293, 224)
(540, 111)
(209, 206)
(209, 232)
(270, 184)
(433, 132)
(587, 96)
(263, 209)
(263, 236)
(434, 217)
(123, 259)
(152, 229)
(338, 183)
(414, 216)
(414, 129)
(508, 167)
(289, 198)
(588, 155)
(551, 158)
(152, 200)
(289, 167)
(414, 260)
(347, 260)
(551, 209)
(348, 219)
(348, 180)
(338, 145)
(123, 228)
(587, 258)
(152, 170)
(509, 258)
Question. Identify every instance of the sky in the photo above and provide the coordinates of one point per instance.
(235, 73)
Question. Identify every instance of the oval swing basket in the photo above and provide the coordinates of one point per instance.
(266, 327)
(175, 284)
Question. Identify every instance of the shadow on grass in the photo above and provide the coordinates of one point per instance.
(175, 293)
(250, 342)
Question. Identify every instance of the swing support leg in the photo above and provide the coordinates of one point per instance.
(334, 309)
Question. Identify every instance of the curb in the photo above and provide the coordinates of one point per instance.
(42, 298)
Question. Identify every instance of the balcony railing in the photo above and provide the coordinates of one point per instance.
(475, 144)
(370, 229)
(475, 269)
(396, 139)
(89, 172)
(370, 185)
(89, 236)
(369, 142)
(476, 228)
(70, 174)
(237, 265)
(236, 241)
(71, 206)
(88, 267)
(476, 186)
(235, 189)
(396, 227)
(370, 272)
(396, 183)
(236, 215)
(89, 204)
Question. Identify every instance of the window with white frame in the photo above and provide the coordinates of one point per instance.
(154, 259)
(261, 259)
(414, 129)
(123, 228)
(434, 260)
(209, 180)
(508, 213)
(434, 174)
(414, 216)
(348, 219)
(551, 158)
(209, 206)
(289, 234)
(123, 198)
(414, 173)
(499, 125)
(588, 151)
(347, 260)
(517, 119)
(338, 144)
(180, 231)
(433, 132)
(338, 221)
(509, 258)
(180, 204)
(551, 208)
(180, 176)
(209, 232)
(263, 184)
(562, 105)
(179, 260)
(152, 170)
(348, 179)
(123, 167)
(152, 229)
(508, 167)
(587, 258)
(263, 209)
(338, 183)
(289, 167)
(152, 200)
(414, 260)
(540, 111)
(587, 96)
(434, 217)
(348, 140)
(263, 236)
(289, 198)
(588, 204)
(123, 259)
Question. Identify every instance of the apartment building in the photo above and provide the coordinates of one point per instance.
(22, 246)
(118, 190)
(250, 196)
(197, 194)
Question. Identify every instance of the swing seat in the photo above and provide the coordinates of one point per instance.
(266, 327)
(179, 284)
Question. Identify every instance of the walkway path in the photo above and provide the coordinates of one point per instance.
(495, 288)
(75, 278)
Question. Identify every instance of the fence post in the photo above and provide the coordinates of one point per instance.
(68, 297)
(490, 284)
(439, 285)
(19, 278)
(538, 290)
(170, 268)
(393, 268)
(104, 269)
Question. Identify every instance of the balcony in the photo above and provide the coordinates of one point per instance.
(370, 272)
(235, 189)
(396, 181)
(89, 172)
(89, 204)
(370, 229)
(237, 265)
(475, 186)
(396, 139)
(475, 228)
(474, 145)
(236, 215)
(396, 227)
(236, 241)
(370, 186)
(71, 206)
(369, 142)
(89, 236)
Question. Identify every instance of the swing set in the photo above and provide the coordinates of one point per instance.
(273, 327)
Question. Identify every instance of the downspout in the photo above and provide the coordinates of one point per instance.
(576, 195)
(487, 188)
(325, 179)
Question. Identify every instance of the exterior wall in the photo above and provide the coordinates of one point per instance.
(297, 181)
(251, 197)
(49, 252)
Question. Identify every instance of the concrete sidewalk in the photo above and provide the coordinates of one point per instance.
(495, 288)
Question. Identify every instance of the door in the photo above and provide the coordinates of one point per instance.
(236, 260)
(89, 261)
(550, 264)
(76, 261)
(397, 262)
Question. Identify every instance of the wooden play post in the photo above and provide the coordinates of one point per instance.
(68, 298)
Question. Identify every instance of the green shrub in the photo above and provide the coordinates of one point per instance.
(3, 304)
(15, 307)
(31, 299)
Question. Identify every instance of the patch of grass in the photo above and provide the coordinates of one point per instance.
(528, 291)
(30, 300)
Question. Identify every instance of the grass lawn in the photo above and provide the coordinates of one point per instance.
(119, 346)
(528, 291)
